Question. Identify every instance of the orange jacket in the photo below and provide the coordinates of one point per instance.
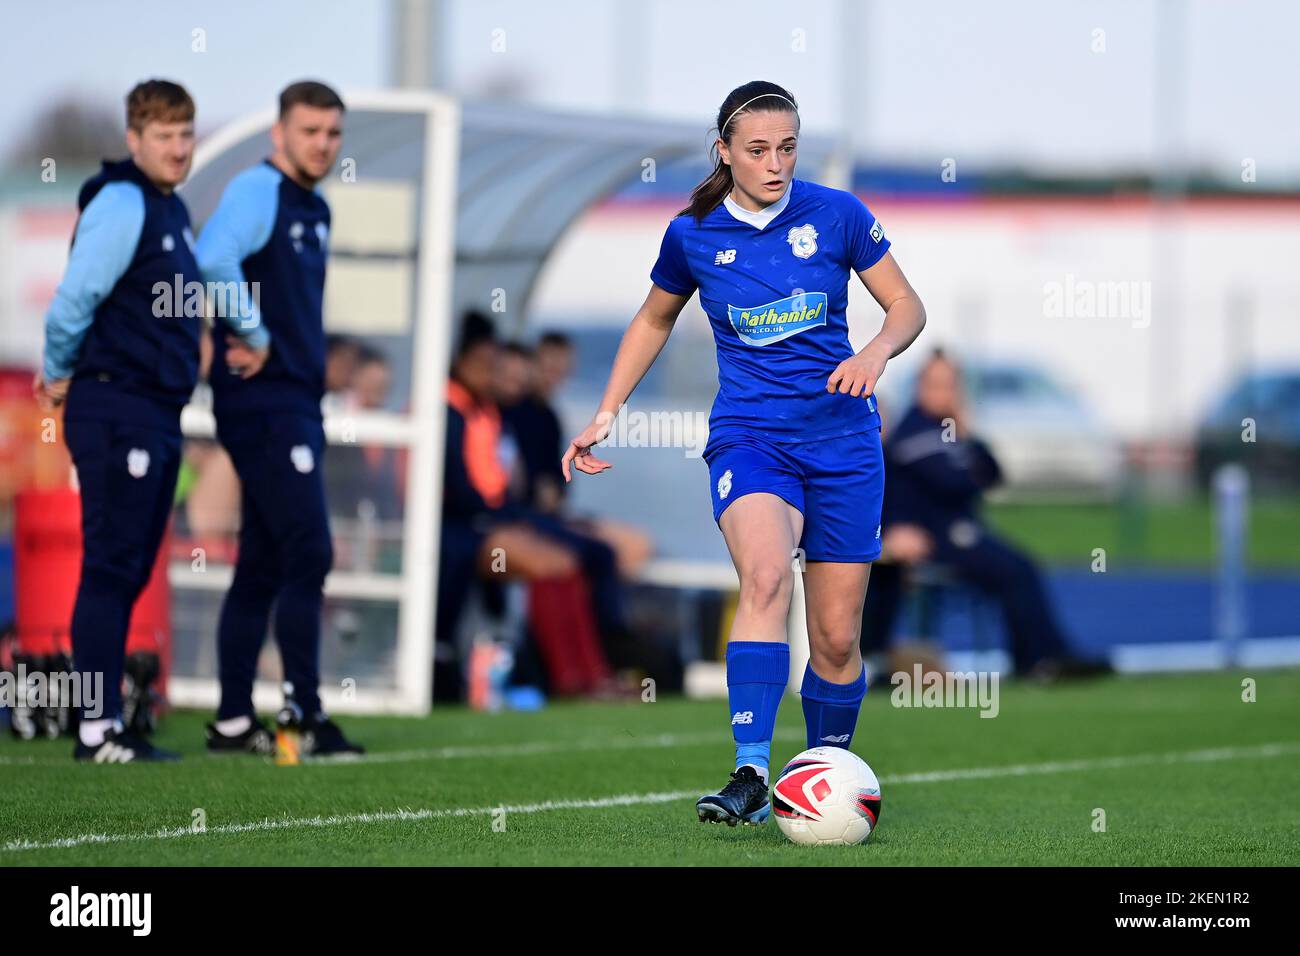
(480, 449)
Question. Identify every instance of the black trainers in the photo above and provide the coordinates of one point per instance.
(122, 746)
(321, 738)
(26, 721)
(743, 800)
(256, 739)
(61, 718)
(139, 698)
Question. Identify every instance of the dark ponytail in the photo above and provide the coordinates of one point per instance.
(707, 195)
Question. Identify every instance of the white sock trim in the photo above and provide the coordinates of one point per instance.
(92, 732)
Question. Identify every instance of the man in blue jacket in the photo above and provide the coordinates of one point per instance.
(270, 233)
(936, 475)
(121, 354)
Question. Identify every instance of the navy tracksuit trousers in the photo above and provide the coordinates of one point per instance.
(285, 551)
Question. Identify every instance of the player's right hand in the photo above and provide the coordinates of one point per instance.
(242, 360)
(580, 450)
(49, 395)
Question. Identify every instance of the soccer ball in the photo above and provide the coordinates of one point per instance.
(826, 796)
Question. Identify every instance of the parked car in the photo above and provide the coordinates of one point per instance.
(1255, 423)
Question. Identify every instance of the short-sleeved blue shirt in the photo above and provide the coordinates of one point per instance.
(776, 297)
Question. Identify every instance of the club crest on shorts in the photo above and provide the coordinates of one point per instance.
(803, 240)
(302, 458)
(724, 484)
(137, 462)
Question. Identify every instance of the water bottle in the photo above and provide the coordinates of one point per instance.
(288, 731)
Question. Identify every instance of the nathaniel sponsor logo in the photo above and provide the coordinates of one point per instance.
(774, 321)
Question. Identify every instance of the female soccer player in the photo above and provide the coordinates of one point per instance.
(794, 436)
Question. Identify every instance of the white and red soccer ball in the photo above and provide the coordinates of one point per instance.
(826, 796)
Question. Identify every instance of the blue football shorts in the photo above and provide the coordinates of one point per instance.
(837, 483)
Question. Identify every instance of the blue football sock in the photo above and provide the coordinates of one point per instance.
(757, 674)
(830, 711)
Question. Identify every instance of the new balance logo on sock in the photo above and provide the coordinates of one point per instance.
(841, 739)
(742, 717)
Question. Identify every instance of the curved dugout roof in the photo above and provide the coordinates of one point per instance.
(524, 176)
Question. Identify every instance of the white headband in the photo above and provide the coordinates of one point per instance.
(747, 102)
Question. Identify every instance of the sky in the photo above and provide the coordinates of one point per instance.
(1057, 85)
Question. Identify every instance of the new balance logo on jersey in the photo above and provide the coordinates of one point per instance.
(725, 257)
(742, 717)
(841, 739)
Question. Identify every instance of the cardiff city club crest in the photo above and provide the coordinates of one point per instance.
(724, 485)
(803, 240)
(302, 458)
(137, 462)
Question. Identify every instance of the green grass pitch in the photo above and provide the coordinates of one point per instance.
(1185, 771)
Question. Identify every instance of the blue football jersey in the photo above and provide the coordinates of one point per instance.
(776, 296)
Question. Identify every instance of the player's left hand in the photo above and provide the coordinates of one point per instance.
(857, 376)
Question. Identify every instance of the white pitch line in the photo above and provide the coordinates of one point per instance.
(614, 741)
(380, 816)
(641, 799)
(541, 748)
(1099, 763)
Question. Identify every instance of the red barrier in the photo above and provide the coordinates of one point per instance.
(29, 458)
(47, 568)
